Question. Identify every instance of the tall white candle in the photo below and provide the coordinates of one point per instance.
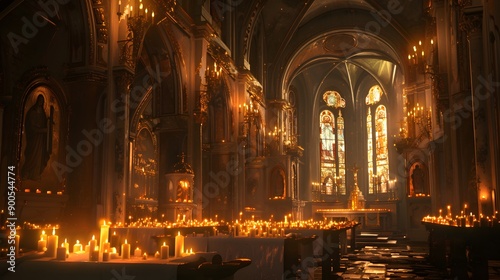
(103, 237)
(179, 245)
(92, 245)
(52, 241)
(164, 251)
(125, 250)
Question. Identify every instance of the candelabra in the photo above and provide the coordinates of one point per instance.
(421, 55)
(249, 114)
(213, 84)
(138, 22)
(420, 118)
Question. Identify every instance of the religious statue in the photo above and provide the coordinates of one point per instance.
(356, 198)
(418, 179)
(38, 130)
(327, 138)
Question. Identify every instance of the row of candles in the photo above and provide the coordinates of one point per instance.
(101, 250)
(287, 222)
(464, 219)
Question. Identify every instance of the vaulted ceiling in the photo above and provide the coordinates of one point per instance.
(328, 43)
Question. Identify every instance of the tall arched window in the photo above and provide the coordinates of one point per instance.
(332, 146)
(378, 154)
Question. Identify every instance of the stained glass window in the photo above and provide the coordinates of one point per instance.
(332, 146)
(378, 154)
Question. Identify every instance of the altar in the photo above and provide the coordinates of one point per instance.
(367, 218)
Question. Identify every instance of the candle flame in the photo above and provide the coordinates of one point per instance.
(164, 244)
(62, 245)
(178, 233)
(77, 241)
(43, 232)
(125, 241)
(93, 237)
(53, 231)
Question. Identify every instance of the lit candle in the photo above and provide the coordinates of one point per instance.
(105, 256)
(113, 254)
(125, 250)
(164, 251)
(137, 252)
(66, 245)
(157, 254)
(106, 246)
(52, 242)
(87, 248)
(179, 245)
(103, 237)
(61, 253)
(114, 240)
(42, 245)
(77, 248)
(94, 254)
(43, 236)
(92, 245)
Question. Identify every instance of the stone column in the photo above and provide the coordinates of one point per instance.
(472, 23)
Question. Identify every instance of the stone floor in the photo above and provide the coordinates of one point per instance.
(383, 257)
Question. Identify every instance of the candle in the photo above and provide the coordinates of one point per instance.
(94, 254)
(145, 256)
(66, 245)
(42, 245)
(106, 246)
(77, 248)
(52, 242)
(137, 252)
(61, 253)
(157, 254)
(113, 240)
(43, 236)
(87, 248)
(164, 251)
(179, 245)
(105, 256)
(113, 255)
(92, 245)
(103, 237)
(125, 250)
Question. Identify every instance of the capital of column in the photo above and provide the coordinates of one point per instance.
(471, 20)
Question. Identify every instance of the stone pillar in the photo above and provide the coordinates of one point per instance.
(472, 23)
(200, 110)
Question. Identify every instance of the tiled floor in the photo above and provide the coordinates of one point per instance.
(394, 260)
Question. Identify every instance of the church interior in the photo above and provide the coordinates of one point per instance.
(377, 116)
